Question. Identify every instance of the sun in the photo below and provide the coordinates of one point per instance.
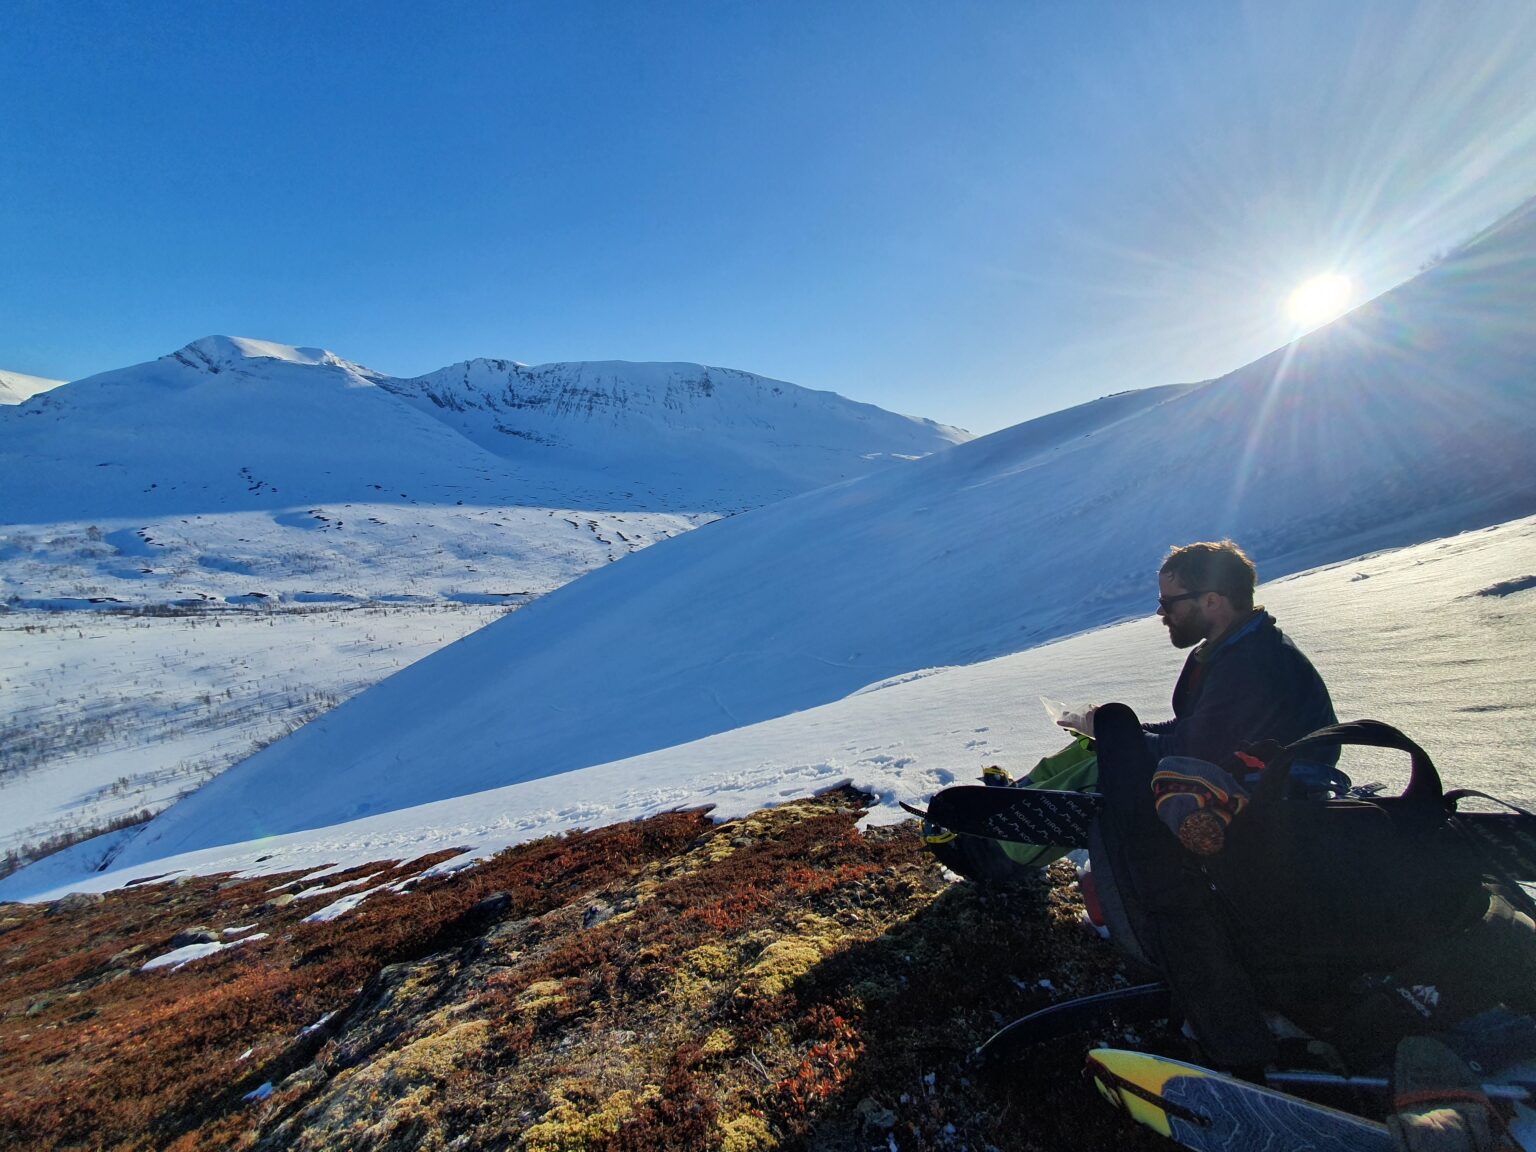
(1320, 299)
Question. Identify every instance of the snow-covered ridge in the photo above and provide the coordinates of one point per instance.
(215, 354)
(16, 387)
(681, 394)
(606, 409)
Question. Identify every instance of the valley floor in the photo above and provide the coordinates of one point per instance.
(108, 716)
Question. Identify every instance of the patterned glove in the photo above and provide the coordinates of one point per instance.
(1197, 800)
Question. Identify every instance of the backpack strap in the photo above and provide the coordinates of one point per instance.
(1423, 782)
(1462, 793)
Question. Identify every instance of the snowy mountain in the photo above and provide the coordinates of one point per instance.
(250, 471)
(678, 434)
(16, 387)
(1409, 419)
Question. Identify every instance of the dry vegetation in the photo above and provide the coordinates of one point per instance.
(782, 981)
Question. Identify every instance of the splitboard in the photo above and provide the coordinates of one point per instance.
(1505, 840)
(1202, 1109)
(1023, 815)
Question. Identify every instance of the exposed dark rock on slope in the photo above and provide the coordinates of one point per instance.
(781, 981)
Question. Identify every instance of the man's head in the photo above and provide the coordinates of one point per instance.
(1203, 589)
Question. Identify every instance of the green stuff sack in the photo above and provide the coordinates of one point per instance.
(1074, 769)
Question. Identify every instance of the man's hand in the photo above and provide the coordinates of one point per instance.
(1079, 721)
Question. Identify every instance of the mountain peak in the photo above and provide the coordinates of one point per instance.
(215, 353)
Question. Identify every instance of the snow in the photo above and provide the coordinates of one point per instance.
(317, 1025)
(16, 387)
(312, 531)
(339, 908)
(992, 547)
(106, 715)
(327, 889)
(180, 957)
(680, 426)
(229, 351)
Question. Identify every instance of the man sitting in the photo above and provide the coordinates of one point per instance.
(1245, 683)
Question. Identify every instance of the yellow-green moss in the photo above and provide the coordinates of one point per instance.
(434, 1056)
(746, 1133)
(570, 1127)
(399, 1091)
(710, 960)
(688, 990)
(718, 1042)
(785, 960)
(541, 994)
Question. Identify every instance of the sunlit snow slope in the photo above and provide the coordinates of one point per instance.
(16, 387)
(257, 472)
(1410, 418)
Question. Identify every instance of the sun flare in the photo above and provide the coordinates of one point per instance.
(1320, 300)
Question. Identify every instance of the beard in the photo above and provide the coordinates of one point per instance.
(1186, 633)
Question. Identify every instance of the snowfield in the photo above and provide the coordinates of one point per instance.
(990, 548)
(107, 715)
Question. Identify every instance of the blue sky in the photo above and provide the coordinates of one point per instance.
(973, 212)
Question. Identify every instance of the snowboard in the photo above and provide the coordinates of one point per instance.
(1022, 815)
(1201, 1109)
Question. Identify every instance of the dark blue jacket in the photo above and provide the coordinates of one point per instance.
(1253, 685)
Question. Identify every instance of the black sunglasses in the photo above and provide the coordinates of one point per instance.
(1164, 603)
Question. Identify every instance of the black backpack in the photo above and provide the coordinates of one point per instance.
(1318, 890)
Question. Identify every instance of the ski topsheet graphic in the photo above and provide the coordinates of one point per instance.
(1202, 1109)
